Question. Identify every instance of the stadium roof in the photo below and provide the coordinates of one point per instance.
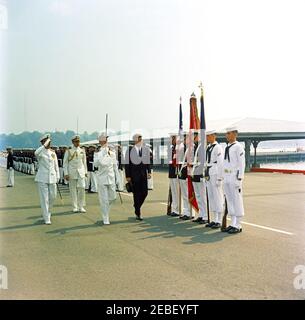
(249, 128)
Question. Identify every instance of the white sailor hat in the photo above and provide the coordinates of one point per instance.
(210, 132)
(75, 138)
(92, 146)
(45, 136)
(102, 137)
(230, 129)
(136, 136)
(9, 148)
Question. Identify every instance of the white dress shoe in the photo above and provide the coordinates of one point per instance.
(106, 222)
(48, 222)
(75, 210)
(82, 210)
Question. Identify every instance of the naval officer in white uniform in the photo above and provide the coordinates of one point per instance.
(75, 172)
(233, 172)
(214, 177)
(47, 176)
(107, 176)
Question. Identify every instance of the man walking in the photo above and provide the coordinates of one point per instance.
(137, 171)
(47, 176)
(75, 172)
(107, 176)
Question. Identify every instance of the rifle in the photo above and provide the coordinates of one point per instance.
(169, 202)
(224, 218)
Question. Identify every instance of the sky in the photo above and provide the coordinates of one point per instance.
(66, 59)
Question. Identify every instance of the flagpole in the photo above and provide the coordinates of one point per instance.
(202, 139)
(177, 154)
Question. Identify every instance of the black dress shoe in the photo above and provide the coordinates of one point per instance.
(197, 220)
(216, 225)
(186, 218)
(174, 214)
(204, 221)
(182, 217)
(227, 229)
(139, 218)
(210, 225)
(235, 230)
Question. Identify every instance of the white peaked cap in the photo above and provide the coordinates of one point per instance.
(45, 136)
(230, 129)
(102, 136)
(136, 136)
(76, 137)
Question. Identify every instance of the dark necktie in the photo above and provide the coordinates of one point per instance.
(209, 152)
(227, 155)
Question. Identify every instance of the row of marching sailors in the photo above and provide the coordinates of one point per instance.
(219, 181)
(25, 162)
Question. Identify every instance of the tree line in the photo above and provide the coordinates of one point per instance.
(31, 139)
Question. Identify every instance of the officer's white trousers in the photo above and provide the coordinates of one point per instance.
(47, 195)
(174, 185)
(216, 199)
(150, 182)
(185, 197)
(77, 191)
(10, 177)
(233, 195)
(200, 194)
(106, 195)
(121, 180)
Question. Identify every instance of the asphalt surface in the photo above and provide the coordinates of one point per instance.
(158, 258)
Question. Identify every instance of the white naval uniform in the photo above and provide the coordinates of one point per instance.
(107, 176)
(10, 177)
(47, 176)
(199, 187)
(183, 182)
(233, 169)
(75, 166)
(214, 181)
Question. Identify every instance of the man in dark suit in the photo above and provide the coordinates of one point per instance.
(10, 167)
(137, 171)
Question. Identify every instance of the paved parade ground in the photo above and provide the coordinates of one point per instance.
(159, 258)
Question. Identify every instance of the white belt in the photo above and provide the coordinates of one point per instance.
(229, 171)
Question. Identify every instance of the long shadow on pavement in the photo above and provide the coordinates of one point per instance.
(168, 227)
(23, 226)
